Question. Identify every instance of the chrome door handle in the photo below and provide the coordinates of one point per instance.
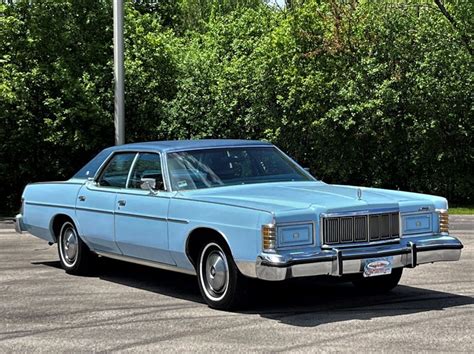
(122, 202)
(82, 198)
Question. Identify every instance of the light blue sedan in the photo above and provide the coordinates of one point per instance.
(230, 210)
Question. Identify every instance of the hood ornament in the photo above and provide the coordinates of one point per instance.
(359, 193)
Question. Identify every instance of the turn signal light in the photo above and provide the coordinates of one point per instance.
(443, 221)
(269, 237)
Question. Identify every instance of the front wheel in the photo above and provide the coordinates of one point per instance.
(221, 284)
(379, 284)
(74, 255)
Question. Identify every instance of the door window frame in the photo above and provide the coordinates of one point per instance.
(132, 166)
(106, 162)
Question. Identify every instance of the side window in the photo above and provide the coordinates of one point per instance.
(148, 165)
(116, 173)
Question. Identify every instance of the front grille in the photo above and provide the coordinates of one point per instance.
(360, 228)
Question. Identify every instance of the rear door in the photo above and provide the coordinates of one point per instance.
(141, 226)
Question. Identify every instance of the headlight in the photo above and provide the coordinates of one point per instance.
(287, 235)
(269, 237)
(418, 223)
(295, 234)
(443, 221)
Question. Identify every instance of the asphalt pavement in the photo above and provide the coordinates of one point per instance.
(125, 307)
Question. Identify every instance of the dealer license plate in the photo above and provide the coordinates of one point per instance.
(378, 266)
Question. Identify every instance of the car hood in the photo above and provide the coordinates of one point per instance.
(301, 195)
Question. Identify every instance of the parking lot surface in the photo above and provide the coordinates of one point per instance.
(125, 307)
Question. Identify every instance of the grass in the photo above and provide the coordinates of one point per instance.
(464, 210)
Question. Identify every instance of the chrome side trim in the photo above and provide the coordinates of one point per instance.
(54, 205)
(95, 210)
(127, 191)
(141, 216)
(144, 216)
(146, 263)
(68, 181)
(178, 221)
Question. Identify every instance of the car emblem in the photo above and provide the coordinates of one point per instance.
(359, 193)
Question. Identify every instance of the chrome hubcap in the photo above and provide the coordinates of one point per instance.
(216, 271)
(69, 244)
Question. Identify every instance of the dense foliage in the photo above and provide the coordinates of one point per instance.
(378, 93)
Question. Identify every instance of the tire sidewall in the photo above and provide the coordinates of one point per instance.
(230, 298)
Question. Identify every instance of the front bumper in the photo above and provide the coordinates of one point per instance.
(408, 252)
(19, 224)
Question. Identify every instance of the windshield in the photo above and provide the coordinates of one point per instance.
(208, 168)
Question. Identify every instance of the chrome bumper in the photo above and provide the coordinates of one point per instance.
(409, 252)
(19, 223)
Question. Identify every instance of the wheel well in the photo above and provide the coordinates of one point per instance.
(58, 221)
(198, 238)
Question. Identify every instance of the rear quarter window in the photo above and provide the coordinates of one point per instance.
(90, 169)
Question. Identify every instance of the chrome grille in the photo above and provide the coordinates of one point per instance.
(360, 228)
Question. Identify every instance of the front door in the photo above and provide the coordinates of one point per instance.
(141, 227)
(96, 203)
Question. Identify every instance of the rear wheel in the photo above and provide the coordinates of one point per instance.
(221, 284)
(74, 255)
(379, 284)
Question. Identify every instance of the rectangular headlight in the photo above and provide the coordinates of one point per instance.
(293, 235)
(418, 223)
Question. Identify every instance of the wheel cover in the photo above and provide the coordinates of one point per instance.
(214, 272)
(69, 245)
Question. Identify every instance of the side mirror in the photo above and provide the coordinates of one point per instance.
(148, 184)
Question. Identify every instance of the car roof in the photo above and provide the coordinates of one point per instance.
(93, 165)
(176, 145)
